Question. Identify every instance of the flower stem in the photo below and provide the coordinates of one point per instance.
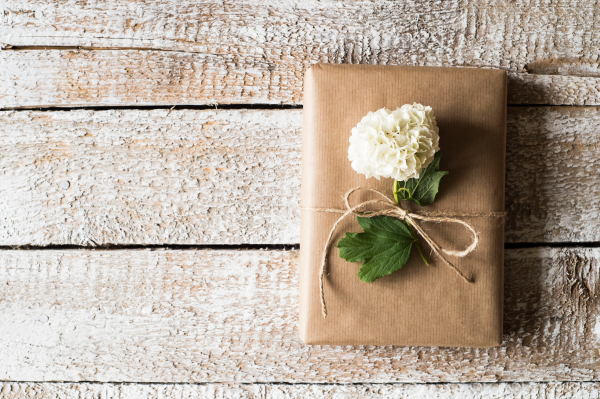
(396, 191)
(420, 249)
(412, 230)
(417, 243)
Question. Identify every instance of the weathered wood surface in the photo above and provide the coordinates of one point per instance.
(217, 316)
(217, 177)
(562, 66)
(186, 52)
(459, 32)
(553, 90)
(552, 179)
(130, 77)
(233, 176)
(134, 391)
(150, 177)
(573, 390)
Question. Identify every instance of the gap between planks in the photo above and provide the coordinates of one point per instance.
(172, 107)
(251, 247)
(219, 107)
(178, 247)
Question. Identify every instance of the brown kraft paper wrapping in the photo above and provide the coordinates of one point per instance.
(417, 305)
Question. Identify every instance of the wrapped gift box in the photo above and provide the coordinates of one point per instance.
(417, 305)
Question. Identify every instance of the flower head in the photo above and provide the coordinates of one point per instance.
(397, 144)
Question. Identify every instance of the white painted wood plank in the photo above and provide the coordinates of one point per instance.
(553, 89)
(552, 179)
(217, 316)
(441, 391)
(132, 77)
(13, 390)
(485, 33)
(231, 177)
(150, 177)
(574, 390)
(212, 51)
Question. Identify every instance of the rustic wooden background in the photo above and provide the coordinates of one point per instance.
(133, 135)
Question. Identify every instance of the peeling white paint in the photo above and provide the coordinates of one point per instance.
(161, 176)
(227, 177)
(597, 329)
(532, 390)
(244, 52)
(211, 316)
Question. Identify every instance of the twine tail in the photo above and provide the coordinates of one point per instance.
(437, 250)
(324, 262)
(323, 305)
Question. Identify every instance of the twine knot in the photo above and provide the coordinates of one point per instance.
(391, 208)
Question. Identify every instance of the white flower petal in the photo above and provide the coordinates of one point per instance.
(396, 144)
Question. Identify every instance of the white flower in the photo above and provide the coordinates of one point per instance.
(396, 144)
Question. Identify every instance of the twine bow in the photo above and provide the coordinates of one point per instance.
(395, 210)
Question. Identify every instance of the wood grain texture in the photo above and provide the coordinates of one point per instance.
(150, 177)
(553, 390)
(483, 32)
(132, 77)
(218, 316)
(217, 177)
(130, 391)
(443, 391)
(190, 52)
(553, 89)
(232, 177)
(565, 66)
(553, 158)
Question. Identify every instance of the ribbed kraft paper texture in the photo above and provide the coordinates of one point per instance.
(418, 305)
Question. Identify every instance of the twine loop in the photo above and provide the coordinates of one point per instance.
(391, 208)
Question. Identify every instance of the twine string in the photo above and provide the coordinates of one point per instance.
(393, 209)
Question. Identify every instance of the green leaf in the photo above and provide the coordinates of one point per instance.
(384, 247)
(423, 189)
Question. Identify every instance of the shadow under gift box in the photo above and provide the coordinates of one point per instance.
(417, 305)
